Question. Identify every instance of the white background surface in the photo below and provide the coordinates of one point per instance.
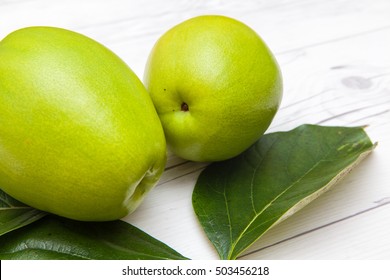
(335, 59)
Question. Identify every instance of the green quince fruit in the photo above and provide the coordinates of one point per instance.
(216, 87)
(79, 135)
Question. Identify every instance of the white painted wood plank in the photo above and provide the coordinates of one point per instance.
(337, 83)
(130, 28)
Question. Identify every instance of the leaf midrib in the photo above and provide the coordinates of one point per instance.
(257, 215)
(29, 247)
(18, 208)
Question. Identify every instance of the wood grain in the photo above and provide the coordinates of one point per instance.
(335, 60)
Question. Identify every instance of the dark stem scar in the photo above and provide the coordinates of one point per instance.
(184, 107)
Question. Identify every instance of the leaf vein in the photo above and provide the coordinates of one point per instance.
(245, 230)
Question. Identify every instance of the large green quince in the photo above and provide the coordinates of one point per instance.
(79, 135)
(216, 87)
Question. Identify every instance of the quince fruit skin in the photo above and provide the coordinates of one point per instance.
(79, 135)
(216, 87)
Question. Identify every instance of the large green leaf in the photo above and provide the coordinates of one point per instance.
(14, 214)
(58, 238)
(238, 200)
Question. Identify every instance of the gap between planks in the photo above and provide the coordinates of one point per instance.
(381, 203)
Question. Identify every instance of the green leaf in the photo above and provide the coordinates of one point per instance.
(14, 214)
(238, 200)
(58, 238)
